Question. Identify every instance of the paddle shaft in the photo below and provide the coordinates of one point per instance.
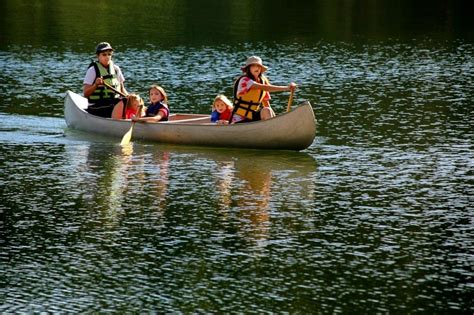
(114, 89)
(290, 100)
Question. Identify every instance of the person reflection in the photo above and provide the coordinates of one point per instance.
(102, 175)
(161, 183)
(244, 197)
(138, 179)
(143, 176)
(254, 201)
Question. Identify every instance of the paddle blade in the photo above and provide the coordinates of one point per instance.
(127, 137)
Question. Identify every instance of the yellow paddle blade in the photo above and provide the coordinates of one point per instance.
(127, 137)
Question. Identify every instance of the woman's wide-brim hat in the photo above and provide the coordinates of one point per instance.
(254, 60)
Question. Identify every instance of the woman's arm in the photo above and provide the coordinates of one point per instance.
(273, 88)
(88, 89)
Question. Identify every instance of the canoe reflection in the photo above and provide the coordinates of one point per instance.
(175, 185)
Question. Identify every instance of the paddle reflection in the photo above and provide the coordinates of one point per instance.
(127, 149)
(120, 165)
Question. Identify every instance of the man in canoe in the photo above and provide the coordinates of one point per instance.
(103, 82)
(252, 92)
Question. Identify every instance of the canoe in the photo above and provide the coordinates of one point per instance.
(294, 130)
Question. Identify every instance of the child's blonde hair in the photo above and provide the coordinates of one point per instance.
(134, 97)
(161, 90)
(224, 99)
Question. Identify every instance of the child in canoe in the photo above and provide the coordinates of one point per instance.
(158, 109)
(252, 92)
(221, 110)
(129, 107)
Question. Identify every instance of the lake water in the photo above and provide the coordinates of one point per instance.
(376, 216)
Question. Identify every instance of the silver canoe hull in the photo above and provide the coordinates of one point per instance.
(294, 130)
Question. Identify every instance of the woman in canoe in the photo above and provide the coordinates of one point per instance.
(158, 109)
(101, 98)
(252, 92)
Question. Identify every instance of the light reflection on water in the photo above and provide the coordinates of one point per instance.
(94, 226)
(375, 215)
(124, 212)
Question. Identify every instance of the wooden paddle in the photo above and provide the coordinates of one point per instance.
(128, 136)
(114, 89)
(290, 100)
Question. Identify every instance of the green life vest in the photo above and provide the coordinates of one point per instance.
(103, 95)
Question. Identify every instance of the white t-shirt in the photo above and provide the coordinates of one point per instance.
(90, 75)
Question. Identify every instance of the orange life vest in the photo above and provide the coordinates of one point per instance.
(249, 104)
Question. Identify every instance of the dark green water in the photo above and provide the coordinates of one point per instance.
(374, 217)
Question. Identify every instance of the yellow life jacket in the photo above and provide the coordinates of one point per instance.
(102, 94)
(249, 104)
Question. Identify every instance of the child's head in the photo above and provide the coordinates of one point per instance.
(221, 103)
(157, 94)
(134, 101)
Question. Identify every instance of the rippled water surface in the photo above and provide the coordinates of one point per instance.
(375, 216)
